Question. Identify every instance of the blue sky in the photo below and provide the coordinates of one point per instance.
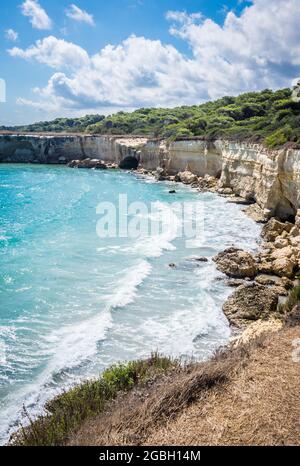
(60, 58)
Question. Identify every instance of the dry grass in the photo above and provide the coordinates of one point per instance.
(131, 418)
(260, 405)
(69, 410)
(249, 395)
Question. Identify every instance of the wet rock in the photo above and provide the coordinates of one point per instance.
(172, 191)
(201, 259)
(236, 263)
(249, 303)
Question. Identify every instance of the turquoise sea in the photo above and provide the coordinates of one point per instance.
(72, 303)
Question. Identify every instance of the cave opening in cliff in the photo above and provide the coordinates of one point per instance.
(285, 211)
(129, 163)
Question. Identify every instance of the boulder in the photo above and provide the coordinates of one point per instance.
(225, 191)
(275, 228)
(267, 280)
(208, 183)
(280, 242)
(88, 163)
(287, 251)
(186, 177)
(295, 241)
(249, 303)
(236, 263)
(284, 267)
(160, 174)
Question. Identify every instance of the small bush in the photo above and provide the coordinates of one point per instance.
(66, 412)
(279, 137)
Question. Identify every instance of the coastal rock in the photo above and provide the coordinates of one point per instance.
(250, 302)
(225, 191)
(281, 243)
(284, 267)
(280, 290)
(186, 177)
(236, 263)
(160, 174)
(88, 163)
(235, 282)
(255, 212)
(275, 228)
(264, 279)
(207, 183)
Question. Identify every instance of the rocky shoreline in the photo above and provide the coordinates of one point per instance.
(263, 280)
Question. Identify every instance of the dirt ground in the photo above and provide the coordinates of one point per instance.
(249, 398)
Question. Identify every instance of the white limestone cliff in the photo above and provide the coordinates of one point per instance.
(271, 178)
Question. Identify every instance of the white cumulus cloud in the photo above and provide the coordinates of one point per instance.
(56, 53)
(38, 16)
(11, 34)
(75, 13)
(257, 49)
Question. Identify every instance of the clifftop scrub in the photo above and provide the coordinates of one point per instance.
(267, 116)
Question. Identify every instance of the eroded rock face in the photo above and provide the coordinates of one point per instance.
(271, 178)
(236, 263)
(249, 303)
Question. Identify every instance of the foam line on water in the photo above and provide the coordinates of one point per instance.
(126, 289)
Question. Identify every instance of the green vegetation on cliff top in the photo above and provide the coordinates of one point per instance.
(268, 116)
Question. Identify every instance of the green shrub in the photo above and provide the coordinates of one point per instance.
(266, 116)
(279, 137)
(66, 412)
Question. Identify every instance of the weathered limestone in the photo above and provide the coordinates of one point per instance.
(256, 174)
(250, 302)
(236, 263)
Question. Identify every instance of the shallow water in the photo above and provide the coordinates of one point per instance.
(72, 303)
